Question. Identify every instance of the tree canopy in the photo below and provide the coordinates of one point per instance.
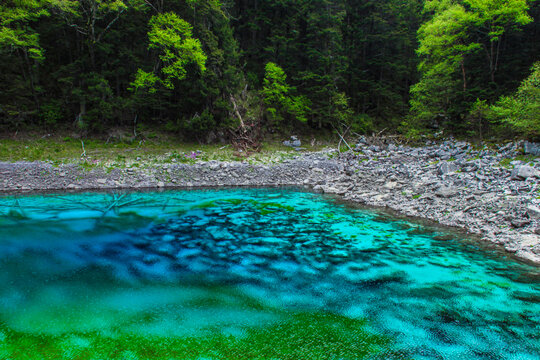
(197, 67)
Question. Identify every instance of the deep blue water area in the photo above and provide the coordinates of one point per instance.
(233, 264)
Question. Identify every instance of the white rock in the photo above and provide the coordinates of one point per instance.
(533, 212)
(446, 192)
(391, 185)
(522, 172)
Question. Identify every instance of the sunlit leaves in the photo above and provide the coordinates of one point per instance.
(144, 79)
(15, 16)
(522, 110)
(458, 31)
(172, 37)
(278, 98)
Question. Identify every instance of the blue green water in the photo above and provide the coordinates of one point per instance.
(251, 273)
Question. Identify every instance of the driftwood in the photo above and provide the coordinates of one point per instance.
(235, 108)
(342, 138)
(245, 138)
(83, 150)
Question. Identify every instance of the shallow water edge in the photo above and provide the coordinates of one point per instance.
(490, 213)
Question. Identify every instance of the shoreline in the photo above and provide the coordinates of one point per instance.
(450, 184)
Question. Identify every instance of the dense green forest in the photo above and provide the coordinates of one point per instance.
(202, 68)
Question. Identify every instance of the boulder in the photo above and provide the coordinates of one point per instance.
(519, 223)
(446, 192)
(294, 142)
(522, 172)
(446, 167)
(531, 148)
(533, 212)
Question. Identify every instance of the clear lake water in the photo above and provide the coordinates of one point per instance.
(251, 274)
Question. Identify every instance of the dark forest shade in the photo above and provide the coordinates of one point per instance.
(74, 64)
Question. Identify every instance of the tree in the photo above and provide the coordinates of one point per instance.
(522, 109)
(15, 33)
(17, 36)
(321, 52)
(491, 19)
(278, 98)
(449, 44)
(380, 42)
(177, 48)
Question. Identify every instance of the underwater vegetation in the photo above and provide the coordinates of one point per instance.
(301, 336)
(251, 274)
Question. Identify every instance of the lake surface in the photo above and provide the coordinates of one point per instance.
(251, 273)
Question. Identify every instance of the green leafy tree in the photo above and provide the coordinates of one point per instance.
(18, 37)
(449, 46)
(173, 38)
(522, 109)
(15, 32)
(278, 98)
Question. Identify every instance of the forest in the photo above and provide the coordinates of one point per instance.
(205, 69)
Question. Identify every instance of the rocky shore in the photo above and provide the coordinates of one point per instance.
(482, 191)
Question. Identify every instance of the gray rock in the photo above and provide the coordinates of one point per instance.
(519, 223)
(446, 192)
(531, 148)
(294, 142)
(533, 212)
(447, 167)
(391, 185)
(522, 172)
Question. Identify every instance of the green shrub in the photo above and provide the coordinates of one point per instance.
(522, 110)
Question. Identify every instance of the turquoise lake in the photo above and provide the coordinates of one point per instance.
(251, 274)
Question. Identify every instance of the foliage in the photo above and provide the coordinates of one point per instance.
(450, 43)
(522, 109)
(173, 37)
(15, 33)
(197, 125)
(361, 65)
(276, 93)
(478, 117)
